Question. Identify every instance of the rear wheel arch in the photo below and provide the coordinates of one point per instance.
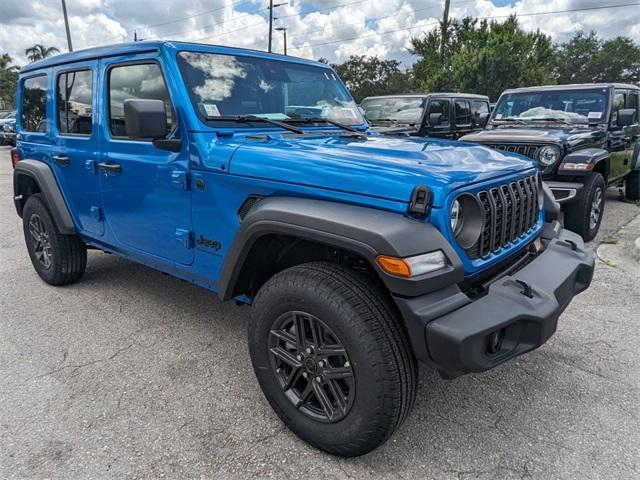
(32, 176)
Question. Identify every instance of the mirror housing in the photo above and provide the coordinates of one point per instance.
(626, 117)
(435, 119)
(145, 119)
(483, 118)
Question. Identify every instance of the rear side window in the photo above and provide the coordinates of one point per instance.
(440, 106)
(618, 103)
(463, 113)
(34, 104)
(141, 81)
(478, 107)
(74, 102)
(632, 100)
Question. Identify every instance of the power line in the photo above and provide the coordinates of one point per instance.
(246, 27)
(144, 26)
(493, 17)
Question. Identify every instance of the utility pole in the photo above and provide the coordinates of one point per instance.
(284, 31)
(66, 24)
(445, 27)
(271, 7)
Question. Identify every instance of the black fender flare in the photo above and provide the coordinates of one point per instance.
(366, 231)
(41, 173)
(593, 156)
(551, 207)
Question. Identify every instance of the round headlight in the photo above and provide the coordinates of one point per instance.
(548, 155)
(466, 220)
(456, 217)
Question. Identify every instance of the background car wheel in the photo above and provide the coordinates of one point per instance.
(632, 186)
(58, 259)
(585, 215)
(331, 357)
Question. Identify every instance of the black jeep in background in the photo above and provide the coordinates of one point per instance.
(442, 115)
(585, 138)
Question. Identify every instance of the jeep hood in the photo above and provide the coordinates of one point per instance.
(515, 134)
(384, 167)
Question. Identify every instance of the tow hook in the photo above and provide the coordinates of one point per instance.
(527, 291)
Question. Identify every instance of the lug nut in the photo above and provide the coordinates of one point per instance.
(322, 363)
(300, 357)
(309, 350)
(347, 364)
(305, 374)
(319, 379)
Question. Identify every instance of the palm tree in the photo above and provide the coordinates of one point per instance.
(5, 61)
(39, 51)
(8, 81)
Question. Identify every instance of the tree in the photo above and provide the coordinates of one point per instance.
(39, 52)
(367, 76)
(8, 81)
(587, 58)
(481, 57)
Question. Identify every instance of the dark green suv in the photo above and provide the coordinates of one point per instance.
(585, 138)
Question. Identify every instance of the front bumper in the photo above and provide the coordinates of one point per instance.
(452, 332)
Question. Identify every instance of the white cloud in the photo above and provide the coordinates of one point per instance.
(315, 29)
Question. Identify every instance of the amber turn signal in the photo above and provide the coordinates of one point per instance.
(394, 266)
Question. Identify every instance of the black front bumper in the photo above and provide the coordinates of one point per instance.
(451, 331)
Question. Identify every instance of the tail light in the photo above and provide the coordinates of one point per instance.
(15, 158)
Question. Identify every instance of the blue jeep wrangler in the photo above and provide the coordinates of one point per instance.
(255, 176)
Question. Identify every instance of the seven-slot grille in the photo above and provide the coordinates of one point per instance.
(510, 212)
(526, 150)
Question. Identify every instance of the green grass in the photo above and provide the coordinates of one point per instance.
(609, 241)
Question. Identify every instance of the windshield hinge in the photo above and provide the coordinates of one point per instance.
(420, 201)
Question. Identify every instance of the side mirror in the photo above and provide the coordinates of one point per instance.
(145, 119)
(626, 117)
(435, 119)
(483, 118)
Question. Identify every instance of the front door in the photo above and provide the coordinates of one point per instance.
(145, 189)
(622, 140)
(443, 107)
(76, 150)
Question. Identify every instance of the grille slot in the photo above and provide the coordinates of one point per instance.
(526, 150)
(509, 213)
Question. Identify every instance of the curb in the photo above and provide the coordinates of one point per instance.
(636, 248)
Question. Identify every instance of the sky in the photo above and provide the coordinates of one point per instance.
(333, 29)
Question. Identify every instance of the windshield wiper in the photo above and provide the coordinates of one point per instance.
(323, 120)
(254, 118)
(553, 119)
(509, 120)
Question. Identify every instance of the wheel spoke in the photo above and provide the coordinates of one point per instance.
(336, 373)
(304, 396)
(293, 377)
(332, 350)
(316, 332)
(339, 396)
(34, 231)
(298, 321)
(285, 336)
(286, 356)
(327, 406)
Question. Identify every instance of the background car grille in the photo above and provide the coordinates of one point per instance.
(510, 212)
(526, 150)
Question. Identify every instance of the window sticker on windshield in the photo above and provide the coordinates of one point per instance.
(498, 116)
(211, 109)
(595, 115)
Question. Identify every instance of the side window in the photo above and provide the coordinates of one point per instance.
(463, 113)
(141, 81)
(34, 104)
(478, 107)
(632, 102)
(74, 94)
(440, 106)
(618, 103)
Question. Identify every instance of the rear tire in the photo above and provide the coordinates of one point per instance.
(585, 215)
(355, 317)
(632, 186)
(58, 259)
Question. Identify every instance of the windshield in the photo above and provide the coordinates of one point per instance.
(394, 109)
(575, 106)
(224, 86)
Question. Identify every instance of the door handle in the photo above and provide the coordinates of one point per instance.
(61, 160)
(110, 167)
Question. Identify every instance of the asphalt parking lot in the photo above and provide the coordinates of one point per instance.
(133, 374)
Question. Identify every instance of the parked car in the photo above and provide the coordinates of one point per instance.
(359, 253)
(7, 116)
(8, 133)
(585, 138)
(443, 115)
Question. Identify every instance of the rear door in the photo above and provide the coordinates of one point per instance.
(145, 189)
(462, 116)
(77, 149)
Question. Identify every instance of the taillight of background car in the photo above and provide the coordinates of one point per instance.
(15, 158)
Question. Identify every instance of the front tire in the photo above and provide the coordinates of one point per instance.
(58, 259)
(332, 358)
(585, 215)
